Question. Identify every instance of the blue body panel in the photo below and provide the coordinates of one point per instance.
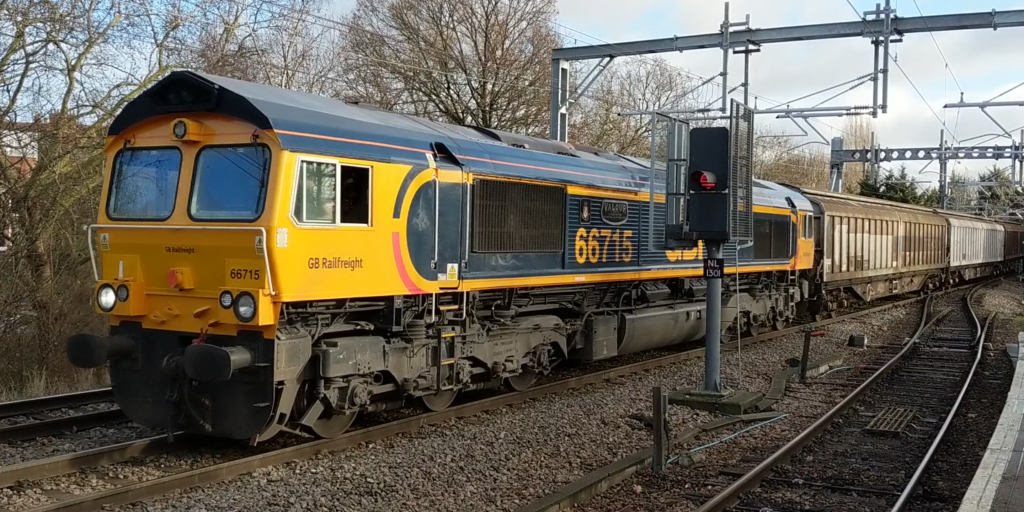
(313, 124)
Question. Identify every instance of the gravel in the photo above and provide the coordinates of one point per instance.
(963, 448)
(684, 488)
(1005, 299)
(503, 459)
(44, 447)
(56, 413)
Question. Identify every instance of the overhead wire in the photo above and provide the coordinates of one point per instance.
(335, 23)
(949, 68)
(937, 47)
(711, 81)
(899, 67)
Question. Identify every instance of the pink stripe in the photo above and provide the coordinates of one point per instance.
(396, 249)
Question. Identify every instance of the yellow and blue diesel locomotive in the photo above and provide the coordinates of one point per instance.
(277, 261)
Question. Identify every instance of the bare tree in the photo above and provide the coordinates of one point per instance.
(640, 85)
(857, 135)
(961, 196)
(66, 68)
(473, 62)
(292, 44)
(223, 41)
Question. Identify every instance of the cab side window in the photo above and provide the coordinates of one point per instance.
(316, 193)
(355, 195)
(808, 227)
(329, 193)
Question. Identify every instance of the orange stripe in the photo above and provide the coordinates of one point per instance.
(545, 169)
(381, 144)
(353, 141)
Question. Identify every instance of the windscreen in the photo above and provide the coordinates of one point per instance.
(144, 184)
(230, 183)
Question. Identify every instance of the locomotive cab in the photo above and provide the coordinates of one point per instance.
(182, 265)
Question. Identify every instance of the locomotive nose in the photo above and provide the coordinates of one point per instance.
(92, 351)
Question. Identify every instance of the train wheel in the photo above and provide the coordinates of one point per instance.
(779, 325)
(522, 381)
(754, 329)
(333, 425)
(439, 401)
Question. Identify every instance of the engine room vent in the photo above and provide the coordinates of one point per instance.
(513, 217)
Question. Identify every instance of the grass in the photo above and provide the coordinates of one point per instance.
(38, 384)
(32, 358)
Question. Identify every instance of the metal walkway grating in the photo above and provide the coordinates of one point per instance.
(892, 420)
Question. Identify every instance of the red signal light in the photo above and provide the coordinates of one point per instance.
(705, 179)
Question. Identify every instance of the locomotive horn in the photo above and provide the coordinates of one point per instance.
(92, 351)
(210, 363)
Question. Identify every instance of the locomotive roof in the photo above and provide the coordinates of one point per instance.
(316, 124)
(767, 193)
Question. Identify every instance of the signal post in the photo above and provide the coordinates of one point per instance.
(717, 209)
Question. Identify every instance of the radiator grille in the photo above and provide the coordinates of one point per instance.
(511, 217)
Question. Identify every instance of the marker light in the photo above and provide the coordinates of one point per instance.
(122, 293)
(180, 129)
(106, 298)
(226, 299)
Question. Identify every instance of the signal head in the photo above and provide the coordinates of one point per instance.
(703, 181)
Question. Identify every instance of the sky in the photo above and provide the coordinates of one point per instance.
(782, 72)
(984, 63)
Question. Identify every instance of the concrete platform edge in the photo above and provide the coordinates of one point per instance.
(982, 492)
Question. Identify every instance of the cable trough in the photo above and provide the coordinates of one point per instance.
(871, 451)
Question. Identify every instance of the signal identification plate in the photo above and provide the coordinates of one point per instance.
(713, 268)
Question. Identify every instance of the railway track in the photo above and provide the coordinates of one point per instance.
(60, 424)
(39, 420)
(48, 403)
(883, 436)
(23, 475)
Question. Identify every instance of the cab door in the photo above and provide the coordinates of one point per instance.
(450, 219)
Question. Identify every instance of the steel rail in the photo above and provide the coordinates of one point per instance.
(752, 479)
(979, 339)
(219, 472)
(77, 399)
(102, 456)
(53, 426)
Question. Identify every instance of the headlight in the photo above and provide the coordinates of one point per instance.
(122, 293)
(226, 299)
(245, 307)
(106, 298)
